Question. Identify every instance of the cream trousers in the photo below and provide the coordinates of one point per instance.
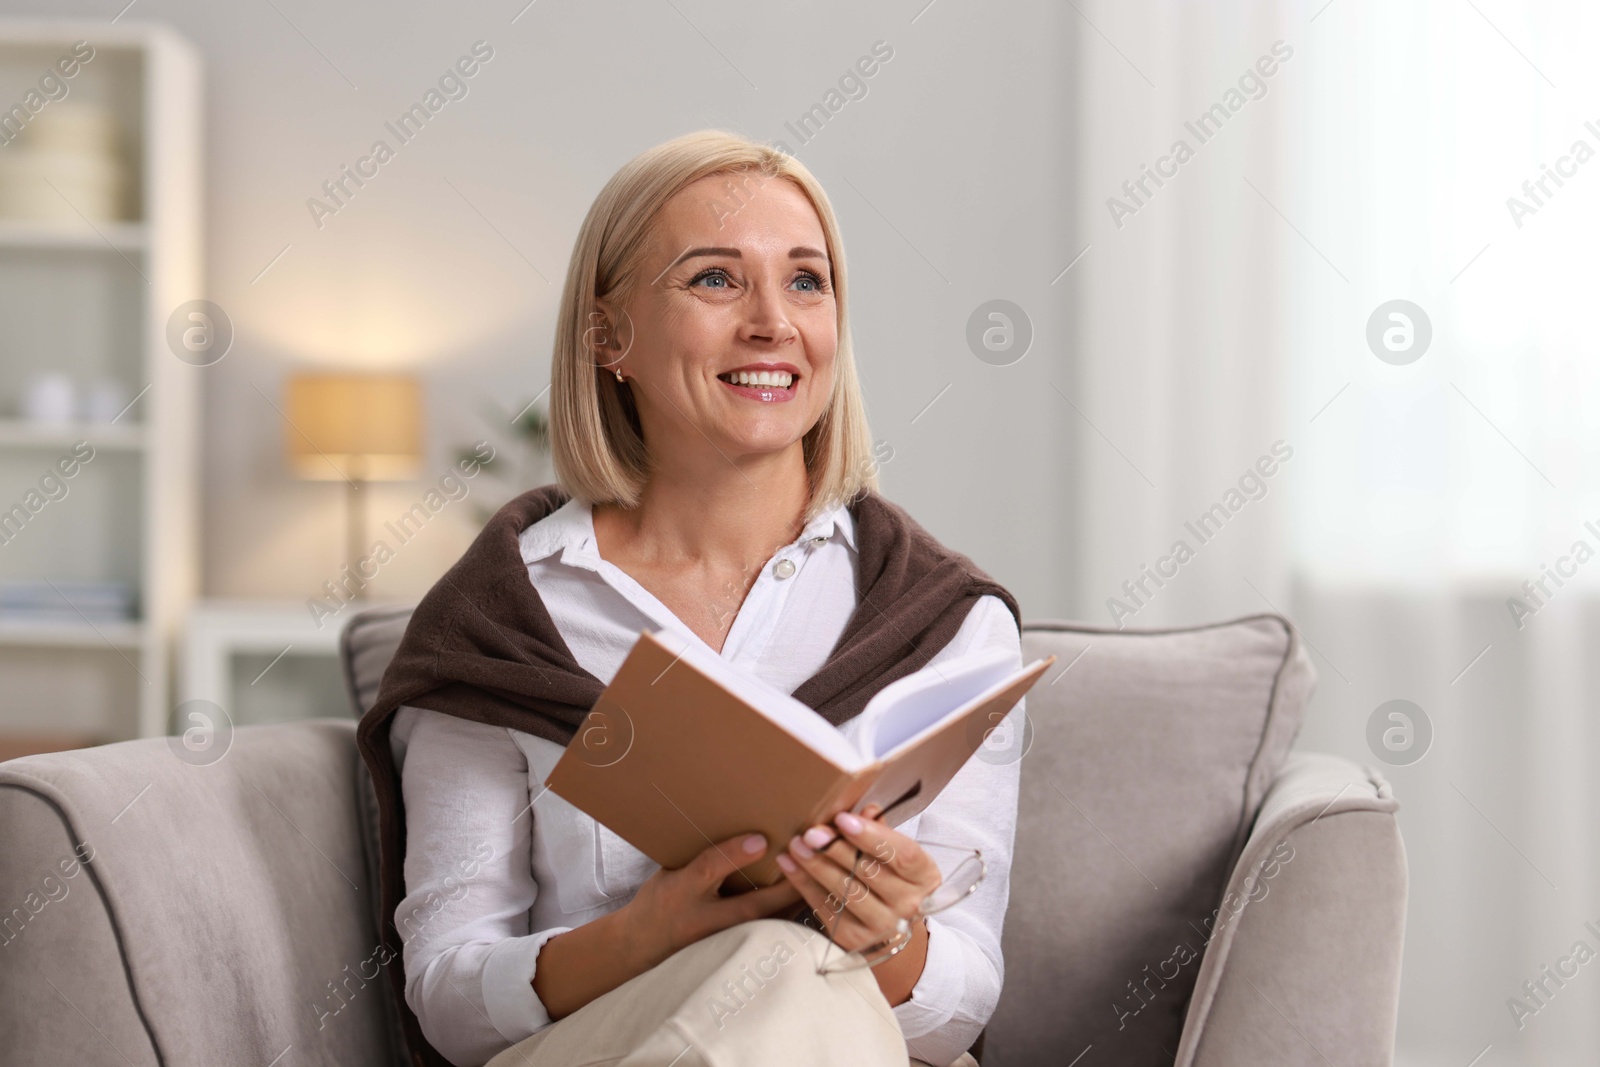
(749, 996)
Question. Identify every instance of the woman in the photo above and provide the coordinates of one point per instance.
(716, 482)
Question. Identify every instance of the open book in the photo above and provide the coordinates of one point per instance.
(683, 749)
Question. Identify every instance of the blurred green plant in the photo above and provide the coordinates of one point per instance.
(518, 466)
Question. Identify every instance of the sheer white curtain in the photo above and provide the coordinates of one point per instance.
(1231, 311)
(1180, 382)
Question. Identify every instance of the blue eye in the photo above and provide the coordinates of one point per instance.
(819, 285)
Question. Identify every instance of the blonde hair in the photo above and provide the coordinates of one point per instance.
(599, 451)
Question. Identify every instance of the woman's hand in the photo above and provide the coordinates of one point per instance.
(674, 909)
(894, 876)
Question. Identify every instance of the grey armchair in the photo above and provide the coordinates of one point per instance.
(1185, 889)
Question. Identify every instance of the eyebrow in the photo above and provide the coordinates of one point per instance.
(797, 252)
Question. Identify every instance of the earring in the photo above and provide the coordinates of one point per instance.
(619, 375)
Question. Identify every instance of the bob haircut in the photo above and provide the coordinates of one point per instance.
(596, 441)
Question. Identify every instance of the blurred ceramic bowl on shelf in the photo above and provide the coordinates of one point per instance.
(50, 398)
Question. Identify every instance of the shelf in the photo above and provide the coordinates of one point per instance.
(113, 437)
(72, 234)
(18, 633)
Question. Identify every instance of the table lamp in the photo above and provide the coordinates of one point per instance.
(355, 428)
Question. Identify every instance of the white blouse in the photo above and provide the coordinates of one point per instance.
(496, 865)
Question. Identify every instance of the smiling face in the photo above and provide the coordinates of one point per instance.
(731, 347)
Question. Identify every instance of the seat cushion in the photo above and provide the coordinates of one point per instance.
(1144, 762)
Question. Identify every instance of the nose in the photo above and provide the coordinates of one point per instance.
(768, 321)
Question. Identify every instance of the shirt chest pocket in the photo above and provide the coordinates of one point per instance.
(585, 865)
(579, 862)
(619, 868)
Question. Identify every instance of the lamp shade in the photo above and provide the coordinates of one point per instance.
(362, 427)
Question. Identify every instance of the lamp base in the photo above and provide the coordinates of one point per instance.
(355, 526)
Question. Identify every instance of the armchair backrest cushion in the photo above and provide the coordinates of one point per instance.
(1148, 753)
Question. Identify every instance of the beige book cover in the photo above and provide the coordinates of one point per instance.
(683, 749)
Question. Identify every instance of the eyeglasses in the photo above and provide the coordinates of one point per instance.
(959, 884)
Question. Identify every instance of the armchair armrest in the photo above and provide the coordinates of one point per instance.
(1302, 964)
(159, 912)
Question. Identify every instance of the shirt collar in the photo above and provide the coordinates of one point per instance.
(570, 530)
(569, 527)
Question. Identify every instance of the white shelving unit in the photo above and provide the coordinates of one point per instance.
(91, 298)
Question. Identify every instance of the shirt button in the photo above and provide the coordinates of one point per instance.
(818, 540)
(784, 568)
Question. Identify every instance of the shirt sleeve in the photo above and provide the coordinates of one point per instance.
(960, 982)
(469, 956)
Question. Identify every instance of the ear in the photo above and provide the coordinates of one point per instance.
(603, 325)
(609, 334)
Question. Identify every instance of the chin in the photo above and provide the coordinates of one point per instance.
(764, 440)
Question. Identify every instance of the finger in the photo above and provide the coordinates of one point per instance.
(902, 894)
(906, 875)
(844, 928)
(901, 853)
(721, 859)
(827, 841)
(875, 865)
(859, 897)
(831, 840)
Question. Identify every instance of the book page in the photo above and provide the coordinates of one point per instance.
(905, 710)
(803, 723)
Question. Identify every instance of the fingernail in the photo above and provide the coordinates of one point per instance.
(785, 864)
(818, 836)
(798, 847)
(848, 822)
(754, 843)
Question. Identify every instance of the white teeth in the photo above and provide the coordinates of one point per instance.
(770, 378)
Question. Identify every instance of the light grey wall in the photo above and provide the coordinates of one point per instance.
(950, 177)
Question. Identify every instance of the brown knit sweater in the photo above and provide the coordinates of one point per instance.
(481, 646)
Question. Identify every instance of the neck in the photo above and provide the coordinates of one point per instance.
(717, 512)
